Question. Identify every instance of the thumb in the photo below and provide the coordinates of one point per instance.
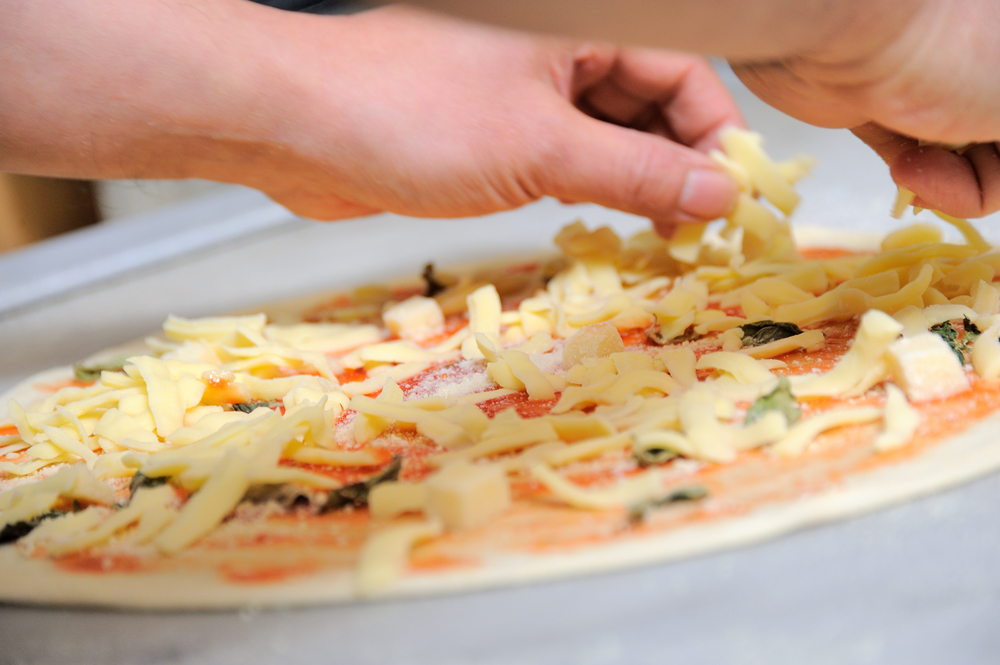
(637, 172)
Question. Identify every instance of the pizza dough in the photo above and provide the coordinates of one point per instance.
(558, 524)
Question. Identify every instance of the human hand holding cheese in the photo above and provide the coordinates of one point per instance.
(893, 71)
(335, 117)
(917, 70)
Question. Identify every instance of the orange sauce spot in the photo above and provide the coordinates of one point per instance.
(219, 392)
(452, 325)
(440, 562)
(59, 385)
(101, 563)
(251, 574)
(820, 253)
(353, 375)
(525, 407)
(530, 267)
(404, 292)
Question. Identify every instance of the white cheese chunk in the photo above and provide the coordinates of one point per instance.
(926, 368)
(415, 318)
(484, 317)
(596, 341)
(986, 353)
(464, 495)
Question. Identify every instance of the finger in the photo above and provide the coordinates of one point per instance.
(607, 101)
(691, 96)
(636, 172)
(985, 158)
(966, 185)
(648, 88)
(591, 63)
(701, 107)
(887, 144)
(963, 185)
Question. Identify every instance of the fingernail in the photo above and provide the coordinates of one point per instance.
(707, 194)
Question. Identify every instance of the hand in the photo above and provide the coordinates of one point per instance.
(427, 116)
(334, 117)
(929, 73)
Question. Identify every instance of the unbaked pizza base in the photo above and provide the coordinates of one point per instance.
(959, 459)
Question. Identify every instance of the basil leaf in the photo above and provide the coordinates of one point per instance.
(654, 334)
(972, 331)
(780, 399)
(248, 407)
(139, 481)
(284, 494)
(432, 285)
(356, 494)
(639, 512)
(655, 456)
(93, 372)
(948, 333)
(763, 332)
(13, 532)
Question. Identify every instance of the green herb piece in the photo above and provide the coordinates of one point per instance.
(433, 285)
(655, 335)
(948, 333)
(763, 332)
(655, 456)
(13, 532)
(780, 399)
(638, 513)
(285, 495)
(356, 494)
(139, 481)
(93, 372)
(972, 331)
(248, 407)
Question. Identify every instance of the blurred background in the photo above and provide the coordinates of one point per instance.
(34, 208)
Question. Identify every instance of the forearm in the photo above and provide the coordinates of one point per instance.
(755, 30)
(131, 89)
(335, 117)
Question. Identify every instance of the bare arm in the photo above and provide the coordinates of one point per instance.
(341, 116)
(755, 30)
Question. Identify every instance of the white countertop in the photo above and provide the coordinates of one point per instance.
(919, 583)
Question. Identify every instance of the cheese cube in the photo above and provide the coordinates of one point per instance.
(464, 495)
(597, 341)
(415, 318)
(926, 368)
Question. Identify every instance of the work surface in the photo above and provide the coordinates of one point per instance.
(918, 583)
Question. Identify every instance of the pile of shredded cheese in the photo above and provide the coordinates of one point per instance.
(167, 423)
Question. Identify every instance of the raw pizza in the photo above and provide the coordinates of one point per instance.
(625, 402)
